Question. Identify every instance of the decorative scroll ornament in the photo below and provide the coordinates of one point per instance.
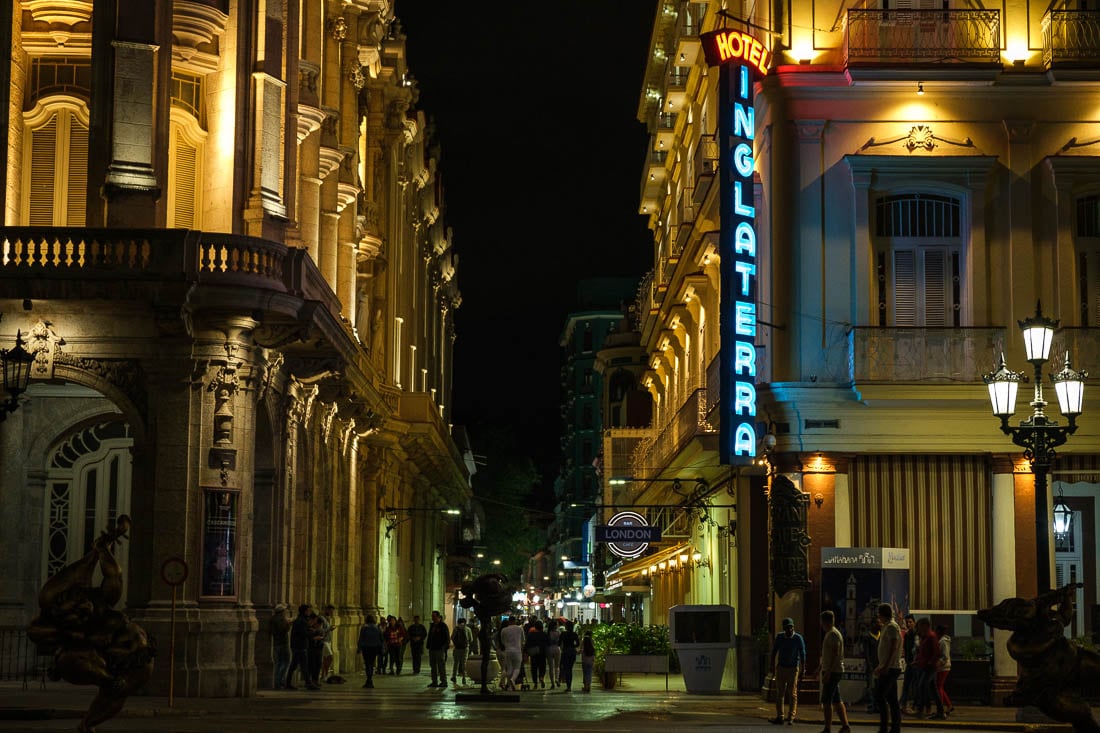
(919, 137)
(271, 369)
(789, 538)
(345, 434)
(326, 420)
(338, 27)
(43, 343)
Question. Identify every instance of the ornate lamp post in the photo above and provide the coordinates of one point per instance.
(16, 366)
(1037, 434)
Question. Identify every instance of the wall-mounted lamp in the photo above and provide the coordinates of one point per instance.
(652, 569)
(16, 365)
(700, 561)
(662, 566)
(920, 88)
(671, 564)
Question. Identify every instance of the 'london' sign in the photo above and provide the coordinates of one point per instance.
(740, 57)
(627, 534)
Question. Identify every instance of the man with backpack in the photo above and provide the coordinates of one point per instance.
(460, 639)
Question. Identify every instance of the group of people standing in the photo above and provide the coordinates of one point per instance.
(383, 643)
(926, 654)
(303, 645)
(551, 651)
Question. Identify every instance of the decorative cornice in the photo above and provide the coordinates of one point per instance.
(60, 12)
(195, 24)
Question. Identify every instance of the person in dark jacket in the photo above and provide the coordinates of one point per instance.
(538, 644)
(417, 634)
(438, 641)
(300, 637)
(569, 644)
(279, 626)
(370, 646)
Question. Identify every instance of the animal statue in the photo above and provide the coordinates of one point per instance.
(1051, 666)
(93, 644)
(488, 595)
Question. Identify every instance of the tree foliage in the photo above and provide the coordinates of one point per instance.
(506, 484)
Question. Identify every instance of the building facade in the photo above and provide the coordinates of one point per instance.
(918, 179)
(224, 244)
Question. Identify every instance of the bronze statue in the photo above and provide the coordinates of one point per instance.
(1051, 666)
(93, 644)
(489, 595)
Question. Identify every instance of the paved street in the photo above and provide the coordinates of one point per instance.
(405, 704)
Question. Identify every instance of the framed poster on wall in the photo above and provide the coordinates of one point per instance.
(219, 543)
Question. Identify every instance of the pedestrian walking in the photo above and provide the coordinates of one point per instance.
(395, 645)
(370, 646)
(553, 652)
(830, 672)
(928, 657)
(569, 644)
(887, 671)
(588, 660)
(538, 643)
(328, 624)
(511, 643)
(279, 626)
(944, 668)
(383, 658)
(417, 634)
(460, 640)
(909, 655)
(437, 641)
(788, 661)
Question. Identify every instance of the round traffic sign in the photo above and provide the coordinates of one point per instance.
(174, 571)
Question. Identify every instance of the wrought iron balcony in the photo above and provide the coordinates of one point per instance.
(1071, 38)
(923, 37)
(923, 354)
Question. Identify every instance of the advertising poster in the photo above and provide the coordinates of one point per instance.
(219, 543)
(854, 581)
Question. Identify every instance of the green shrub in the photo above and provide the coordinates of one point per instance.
(972, 648)
(622, 638)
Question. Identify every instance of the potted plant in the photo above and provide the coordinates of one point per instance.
(971, 675)
(627, 641)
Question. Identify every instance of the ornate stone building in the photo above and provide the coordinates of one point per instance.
(919, 174)
(224, 245)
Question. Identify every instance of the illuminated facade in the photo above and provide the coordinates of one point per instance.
(921, 178)
(224, 243)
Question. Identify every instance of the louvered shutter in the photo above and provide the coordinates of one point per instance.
(905, 287)
(183, 182)
(76, 160)
(935, 288)
(40, 187)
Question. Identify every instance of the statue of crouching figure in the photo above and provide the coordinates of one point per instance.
(487, 595)
(93, 644)
(1051, 666)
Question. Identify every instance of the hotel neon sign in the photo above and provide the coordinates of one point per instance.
(739, 57)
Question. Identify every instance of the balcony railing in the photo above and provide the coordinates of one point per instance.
(168, 255)
(21, 660)
(923, 354)
(1071, 38)
(1083, 345)
(924, 36)
(688, 422)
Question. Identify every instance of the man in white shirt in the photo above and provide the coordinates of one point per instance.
(888, 671)
(511, 642)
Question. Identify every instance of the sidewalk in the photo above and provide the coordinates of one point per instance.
(636, 694)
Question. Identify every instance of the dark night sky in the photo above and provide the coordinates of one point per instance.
(535, 106)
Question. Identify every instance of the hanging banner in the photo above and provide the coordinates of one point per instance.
(219, 543)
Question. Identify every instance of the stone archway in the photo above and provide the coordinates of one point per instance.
(267, 544)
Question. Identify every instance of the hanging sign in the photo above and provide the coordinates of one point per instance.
(740, 58)
(627, 534)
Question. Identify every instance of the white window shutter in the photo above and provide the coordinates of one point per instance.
(182, 183)
(905, 288)
(935, 288)
(43, 150)
(76, 162)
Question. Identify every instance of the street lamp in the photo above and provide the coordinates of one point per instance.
(16, 366)
(1038, 435)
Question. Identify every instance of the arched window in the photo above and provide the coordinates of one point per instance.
(186, 146)
(918, 261)
(55, 163)
(87, 487)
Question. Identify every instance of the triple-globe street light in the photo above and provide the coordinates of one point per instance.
(1037, 434)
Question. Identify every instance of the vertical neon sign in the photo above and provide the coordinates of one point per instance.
(736, 54)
